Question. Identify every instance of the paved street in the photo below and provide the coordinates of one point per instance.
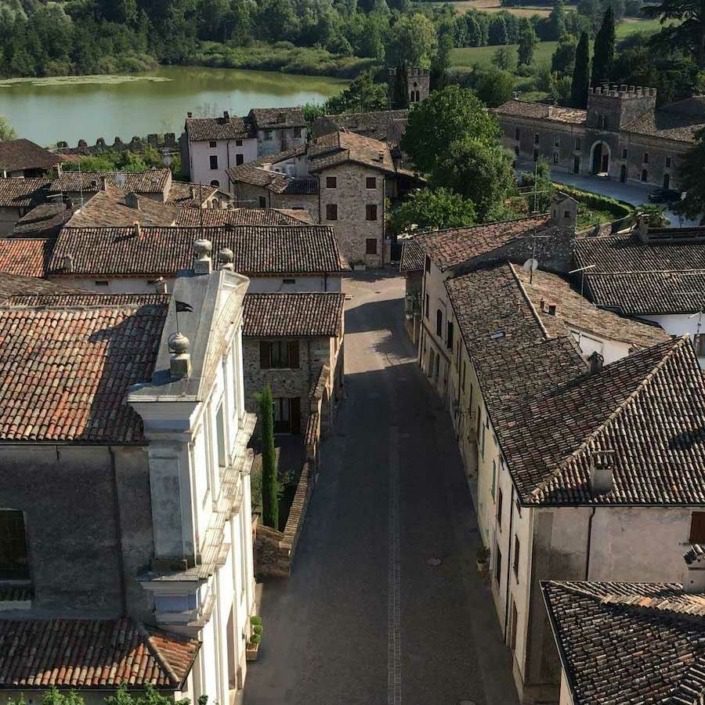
(384, 606)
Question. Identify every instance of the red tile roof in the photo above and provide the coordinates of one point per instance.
(17, 155)
(67, 363)
(25, 257)
(82, 653)
(293, 315)
(21, 193)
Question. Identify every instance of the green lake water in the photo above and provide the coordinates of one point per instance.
(70, 108)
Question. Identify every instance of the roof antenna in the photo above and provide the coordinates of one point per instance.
(80, 183)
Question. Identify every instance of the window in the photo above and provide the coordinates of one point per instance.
(427, 307)
(536, 155)
(646, 157)
(556, 141)
(212, 144)
(462, 377)
(536, 138)
(297, 132)
(220, 432)
(371, 182)
(239, 159)
(262, 202)
(14, 563)
(517, 134)
(215, 183)
(625, 153)
(668, 162)
(268, 135)
(499, 508)
(513, 628)
(238, 143)
(439, 322)
(497, 564)
(331, 182)
(427, 264)
(214, 161)
(515, 560)
(371, 211)
(287, 415)
(493, 489)
(555, 157)
(644, 175)
(101, 282)
(278, 354)
(331, 211)
(449, 335)
(697, 527)
(371, 246)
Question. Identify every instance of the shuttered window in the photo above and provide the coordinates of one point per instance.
(697, 527)
(278, 354)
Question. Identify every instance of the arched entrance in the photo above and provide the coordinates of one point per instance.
(600, 158)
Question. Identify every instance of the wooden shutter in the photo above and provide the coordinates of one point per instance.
(265, 355)
(293, 353)
(697, 527)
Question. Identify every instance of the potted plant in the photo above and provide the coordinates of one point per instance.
(252, 648)
(483, 559)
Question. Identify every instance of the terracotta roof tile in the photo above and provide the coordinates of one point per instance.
(114, 207)
(12, 285)
(273, 118)
(542, 111)
(84, 654)
(25, 257)
(187, 195)
(293, 315)
(44, 221)
(342, 146)
(626, 643)
(212, 217)
(150, 181)
(412, 257)
(67, 362)
(383, 125)
(218, 128)
(258, 250)
(21, 193)
(17, 155)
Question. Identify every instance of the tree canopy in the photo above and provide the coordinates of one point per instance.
(687, 32)
(6, 130)
(691, 174)
(603, 54)
(432, 208)
(581, 73)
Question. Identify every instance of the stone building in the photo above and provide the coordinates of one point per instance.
(17, 198)
(293, 343)
(134, 426)
(418, 82)
(621, 135)
(411, 265)
(384, 125)
(211, 146)
(24, 159)
(342, 179)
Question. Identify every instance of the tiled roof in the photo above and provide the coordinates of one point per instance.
(211, 217)
(412, 257)
(273, 118)
(542, 111)
(258, 250)
(150, 181)
(16, 155)
(678, 121)
(453, 246)
(45, 220)
(575, 312)
(629, 643)
(293, 315)
(83, 653)
(637, 278)
(21, 193)
(66, 366)
(259, 172)
(114, 207)
(384, 125)
(220, 128)
(647, 410)
(26, 257)
(184, 194)
(342, 146)
(12, 285)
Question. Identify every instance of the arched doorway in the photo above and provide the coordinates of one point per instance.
(600, 158)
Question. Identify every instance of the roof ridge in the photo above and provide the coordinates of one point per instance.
(674, 345)
(157, 654)
(528, 301)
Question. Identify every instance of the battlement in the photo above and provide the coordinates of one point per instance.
(624, 91)
(166, 142)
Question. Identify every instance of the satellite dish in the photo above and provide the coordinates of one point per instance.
(531, 265)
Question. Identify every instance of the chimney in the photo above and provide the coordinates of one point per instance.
(179, 356)
(601, 472)
(642, 222)
(202, 250)
(103, 183)
(189, 115)
(596, 362)
(131, 201)
(67, 263)
(225, 257)
(137, 228)
(160, 286)
(193, 193)
(226, 114)
(551, 309)
(694, 577)
(94, 184)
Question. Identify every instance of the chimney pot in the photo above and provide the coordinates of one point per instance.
(225, 257)
(601, 472)
(202, 250)
(226, 114)
(103, 183)
(67, 263)
(596, 362)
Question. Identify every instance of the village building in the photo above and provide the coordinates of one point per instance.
(654, 274)
(411, 265)
(139, 547)
(24, 159)
(17, 198)
(211, 146)
(621, 134)
(43, 221)
(137, 259)
(293, 343)
(418, 83)
(341, 179)
(638, 642)
(383, 125)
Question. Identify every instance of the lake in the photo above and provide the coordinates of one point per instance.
(46, 110)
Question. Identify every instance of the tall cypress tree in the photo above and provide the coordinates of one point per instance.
(400, 89)
(581, 73)
(603, 56)
(270, 484)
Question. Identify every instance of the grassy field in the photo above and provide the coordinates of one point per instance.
(463, 6)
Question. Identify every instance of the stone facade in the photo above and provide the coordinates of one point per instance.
(418, 82)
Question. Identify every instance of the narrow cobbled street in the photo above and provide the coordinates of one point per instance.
(384, 606)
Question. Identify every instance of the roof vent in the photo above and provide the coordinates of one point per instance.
(202, 251)
(226, 257)
(67, 263)
(137, 228)
(601, 472)
(551, 309)
(596, 361)
(179, 356)
(132, 201)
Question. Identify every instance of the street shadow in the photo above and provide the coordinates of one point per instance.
(361, 319)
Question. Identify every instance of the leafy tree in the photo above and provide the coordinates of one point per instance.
(688, 31)
(400, 89)
(449, 114)
(362, 95)
(563, 59)
(495, 87)
(478, 170)
(603, 55)
(432, 208)
(527, 43)
(270, 483)
(123, 696)
(581, 73)
(497, 31)
(6, 131)
(691, 174)
(503, 59)
(556, 21)
(412, 41)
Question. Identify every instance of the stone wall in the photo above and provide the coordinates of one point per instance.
(166, 142)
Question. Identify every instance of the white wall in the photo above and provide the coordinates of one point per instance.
(566, 697)
(226, 151)
(680, 324)
(611, 350)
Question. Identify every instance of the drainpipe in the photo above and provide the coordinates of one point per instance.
(589, 544)
(118, 532)
(509, 558)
